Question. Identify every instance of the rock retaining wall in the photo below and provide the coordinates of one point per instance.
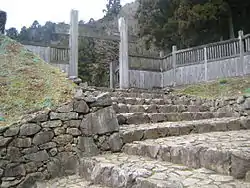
(239, 106)
(49, 144)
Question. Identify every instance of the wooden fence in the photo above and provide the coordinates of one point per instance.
(202, 63)
(55, 55)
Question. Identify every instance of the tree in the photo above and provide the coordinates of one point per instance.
(113, 8)
(38, 33)
(47, 32)
(12, 33)
(35, 25)
(24, 35)
(90, 69)
(238, 14)
(188, 23)
(3, 18)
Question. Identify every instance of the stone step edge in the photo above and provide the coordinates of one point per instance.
(115, 93)
(72, 181)
(130, 133)
(158, 105)
(158, 108)
(138, 98)
(114, 173)
(172, 113)
(221, 160)
(131, 90)
(142, 118)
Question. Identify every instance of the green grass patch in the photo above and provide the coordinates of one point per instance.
(27, 83)
(227, 87)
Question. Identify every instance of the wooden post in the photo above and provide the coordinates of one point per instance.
(174, 50)
(48, 54)
(162, 54)
(111, 75)
(73, 44)
(241, 34)
(205, 62)
(123, 54)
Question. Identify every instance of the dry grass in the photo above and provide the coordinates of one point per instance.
(27, 83)
(228, 87)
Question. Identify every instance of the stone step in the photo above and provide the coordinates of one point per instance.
(142, 118)
(224, 152)
(130, 133)
(166, 99)
(74, 181)
(139, 95)
(141, 101)
(139, 90)
(154, 108)
(127, 171)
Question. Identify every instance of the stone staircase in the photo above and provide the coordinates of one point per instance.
(133, 108)
(172, 141)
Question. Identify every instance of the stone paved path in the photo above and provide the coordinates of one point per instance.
(68, 182)
(122, 171)
(152, 131)
(224, 152)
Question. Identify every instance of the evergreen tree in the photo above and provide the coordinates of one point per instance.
(113, 8)
(188, 23)
(12, 33)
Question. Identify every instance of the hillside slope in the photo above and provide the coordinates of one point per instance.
(27, 83)
(221, 88)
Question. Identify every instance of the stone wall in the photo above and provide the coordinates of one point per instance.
(49, 144)
(236, 106)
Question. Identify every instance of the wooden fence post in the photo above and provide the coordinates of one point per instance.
(162, 54)
(205, 62)
(174, 50)
(241, 34)
(49, 53)
(73, 44)
(123, 54)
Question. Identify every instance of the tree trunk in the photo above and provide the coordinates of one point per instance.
(230, 23)
(231, 27)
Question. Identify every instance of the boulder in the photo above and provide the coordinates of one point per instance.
(102, 100)
(100, 122)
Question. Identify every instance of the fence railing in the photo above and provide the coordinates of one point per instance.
(246, 40)
(59, 55)
(214, 51)
(196, 55)
(167, 62)
(50, 54)
(139, 62)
